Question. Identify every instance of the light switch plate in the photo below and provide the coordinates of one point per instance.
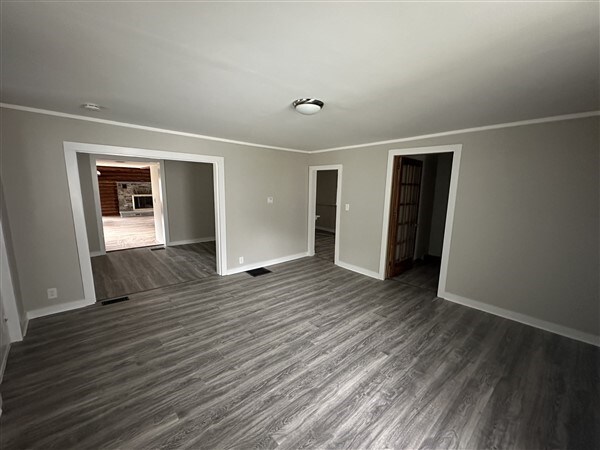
(270, 200)
(347, 206)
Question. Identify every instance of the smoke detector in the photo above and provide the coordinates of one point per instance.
(91, 107)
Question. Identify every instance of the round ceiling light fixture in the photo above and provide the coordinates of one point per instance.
(91, 107)
(308, 106)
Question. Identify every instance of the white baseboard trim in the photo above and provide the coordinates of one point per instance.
(329, 230)
(271, 262)
(54, 309)
(190, 241)
(3, 363)
(572, 333)
(97, 253)
(362, 271)
(24, 325)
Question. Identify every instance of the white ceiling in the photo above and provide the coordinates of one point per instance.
(231, 70)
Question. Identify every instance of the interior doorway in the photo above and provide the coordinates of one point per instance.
(421, 189)
(131, 203)
(194, 238)
(418, 209)
(325, 193)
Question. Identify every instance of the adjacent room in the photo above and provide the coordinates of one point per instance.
(285, 225)
(134, 244)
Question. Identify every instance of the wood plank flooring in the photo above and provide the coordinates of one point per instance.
(309, 356)
(423, 274)
(136, 270)
(128, 232)
(325, 245)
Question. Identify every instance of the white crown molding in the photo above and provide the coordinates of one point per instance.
(143, 127)
(582, 115)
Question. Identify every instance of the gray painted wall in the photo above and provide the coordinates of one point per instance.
(526, 222)
(89, 203)
(425, 204)
(38, 202)
(326, 199)
(440, 204)
(190, 200)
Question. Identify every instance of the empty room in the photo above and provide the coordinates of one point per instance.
(357, 225)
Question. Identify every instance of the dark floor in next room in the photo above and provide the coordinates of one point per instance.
(310, 355)
(135, 270)
(325, 245)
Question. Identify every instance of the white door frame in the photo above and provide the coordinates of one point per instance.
(157, 175)
(164, 218)
(72, 148)
(456, 150)
(98, 206)
(7, 294)
(312, 206)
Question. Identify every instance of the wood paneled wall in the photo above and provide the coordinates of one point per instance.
(107, 183)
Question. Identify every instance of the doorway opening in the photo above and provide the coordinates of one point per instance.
(325, 193)
(131, 203)
(132, 199)
(418, 215)
(179, 195)
(420, 187)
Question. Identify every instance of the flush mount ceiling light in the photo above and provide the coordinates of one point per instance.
(91, 107)
(308, 106)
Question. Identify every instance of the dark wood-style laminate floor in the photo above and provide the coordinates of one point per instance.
(325, 245)
(121, 273)
(424, 274)
(309, 356)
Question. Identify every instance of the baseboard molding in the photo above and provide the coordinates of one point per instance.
(360, 270)
(190, 241)
(3, 363)
(271, 262)
(55, 309)
(24, 325)
(97, 253)
(572, 333)
(329, 230)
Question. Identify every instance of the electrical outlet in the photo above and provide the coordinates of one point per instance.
(241, 260)
(52, 293)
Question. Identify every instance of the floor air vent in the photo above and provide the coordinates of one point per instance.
(257, 272)
(114, 300)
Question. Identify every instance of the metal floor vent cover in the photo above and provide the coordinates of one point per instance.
(257, 272)
(114, 300)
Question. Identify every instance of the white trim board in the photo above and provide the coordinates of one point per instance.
(8, 295)
(312, 207)
(519, 123)
(3, 366)
(361, 270)
(268, 263)
(456, 150)
(523, 318)
(61, 307)
(48, 112)
(191, 241)
(144, 127)
(72, 148)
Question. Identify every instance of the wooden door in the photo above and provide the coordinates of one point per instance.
(404, 213)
